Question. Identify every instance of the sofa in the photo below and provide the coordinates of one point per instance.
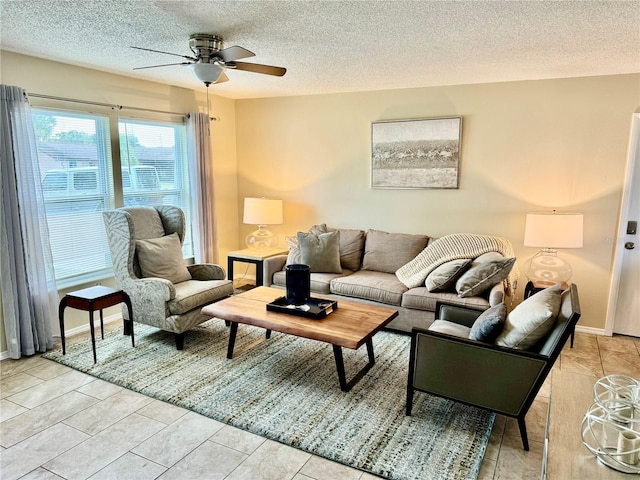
(406, 271)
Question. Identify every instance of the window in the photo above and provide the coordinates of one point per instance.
(154, 167)
(76, 168)
(75, 164)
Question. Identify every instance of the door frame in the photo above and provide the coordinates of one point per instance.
(634, 141)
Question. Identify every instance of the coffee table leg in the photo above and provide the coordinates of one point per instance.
(342, 377)
(232, 339)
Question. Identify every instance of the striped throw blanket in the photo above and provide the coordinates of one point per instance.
(452, 247)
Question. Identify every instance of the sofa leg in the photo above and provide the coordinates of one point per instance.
(523, 433)
(179, 341)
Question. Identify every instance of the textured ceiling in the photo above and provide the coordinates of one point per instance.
(336, 46)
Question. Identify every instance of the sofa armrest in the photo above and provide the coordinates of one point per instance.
(270, 266)
(497, 378)
(496, 294)
(206, 271)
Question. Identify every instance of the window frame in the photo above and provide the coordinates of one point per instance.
(113, 182)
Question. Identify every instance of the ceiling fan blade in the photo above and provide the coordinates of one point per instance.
(166, 53)
(163, 65)
(230, 54)
(258, 68)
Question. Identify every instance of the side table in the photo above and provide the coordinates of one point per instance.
(254, 256)
(532, 287)
(91, 299)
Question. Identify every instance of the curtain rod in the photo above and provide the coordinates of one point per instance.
(111, 105)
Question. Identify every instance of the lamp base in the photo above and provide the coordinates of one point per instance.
(261, 239)
(545, 268)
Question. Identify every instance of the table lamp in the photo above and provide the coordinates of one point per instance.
(551, 230)
(262, 212)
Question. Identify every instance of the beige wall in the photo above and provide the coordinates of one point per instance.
(526, 146)
(57, 79)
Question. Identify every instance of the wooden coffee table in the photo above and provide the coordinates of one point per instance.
(351, 325)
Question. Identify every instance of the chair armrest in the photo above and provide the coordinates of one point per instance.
(496, 294)
(149, 287)
(206, 271)
(489, 376)
(457, 314)
(270, 266)
(149, 295)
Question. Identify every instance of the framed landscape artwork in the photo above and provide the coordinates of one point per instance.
(416, 153)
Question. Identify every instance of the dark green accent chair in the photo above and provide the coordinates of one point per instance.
(484, 375)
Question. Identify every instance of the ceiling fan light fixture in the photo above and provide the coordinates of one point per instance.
(206, 72)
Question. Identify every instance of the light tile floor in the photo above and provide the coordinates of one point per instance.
(58, 423)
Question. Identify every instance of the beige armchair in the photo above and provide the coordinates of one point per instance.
(159, 302)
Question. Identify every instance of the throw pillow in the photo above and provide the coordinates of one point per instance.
(294, 251)
(351, 243)
(387, 252)
(483, 276)
(444, 277)
(162, 257)
(321, 252)
(489, 324)
(531, 320)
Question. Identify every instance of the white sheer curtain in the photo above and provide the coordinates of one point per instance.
(29, 294)
(203, 212)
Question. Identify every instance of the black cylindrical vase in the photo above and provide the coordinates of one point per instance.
(298, 283)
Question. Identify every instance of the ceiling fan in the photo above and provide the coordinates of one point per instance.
(210, 60)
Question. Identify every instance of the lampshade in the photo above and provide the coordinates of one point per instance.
(553, 230)
(206, 72)
(262, 211)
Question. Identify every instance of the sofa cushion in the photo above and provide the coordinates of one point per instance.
(351, 243)
(483, 276)
(450, 328)
(444, 277)
(320, 282)
(531, 320)
(387, 252)
(196, 293)
(420, 298)
(368, 285)
(489, 324)
(321, 252)
(162, 258)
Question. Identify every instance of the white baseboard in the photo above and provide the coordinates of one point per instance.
(117, 317)
(591, 330)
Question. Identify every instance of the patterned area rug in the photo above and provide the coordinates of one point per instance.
(286, 389)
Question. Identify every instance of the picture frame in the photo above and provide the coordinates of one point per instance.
(417, 153)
